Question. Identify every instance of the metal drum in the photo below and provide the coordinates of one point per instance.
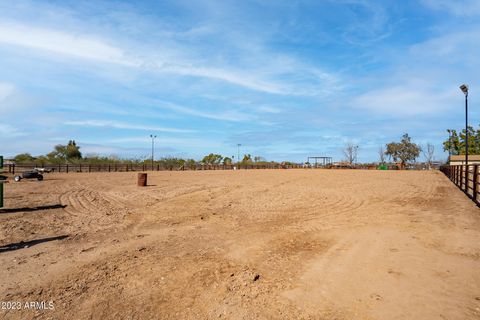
(142, 180)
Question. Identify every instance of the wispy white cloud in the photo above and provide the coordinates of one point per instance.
(123, 125)
(168, 141)
(229, 115)
(175, 59)
(9, 131)
(245, 80)
(405, 101)
(365, 29)
(460, 8)
(15, 100)
(457, 46)
(425, 77)
(269, 109)
(6, 89)
(76, 45)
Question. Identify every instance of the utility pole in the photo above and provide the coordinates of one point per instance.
(153, 147)
(238, 153)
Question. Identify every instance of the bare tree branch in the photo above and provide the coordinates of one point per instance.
(428, 151)
(350, 151)
(381, 155)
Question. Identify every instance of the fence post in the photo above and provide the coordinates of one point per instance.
(67, 168)
(1, 182)
(467, 176)
(457, 175)
(461, 177)
(475, 181)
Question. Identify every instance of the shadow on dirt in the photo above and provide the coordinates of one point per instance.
(27, 244)
(28, 209)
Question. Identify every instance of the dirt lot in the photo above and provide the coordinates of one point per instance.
(257, 244)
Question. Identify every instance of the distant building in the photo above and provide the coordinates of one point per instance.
(460, 159)
(341, 165)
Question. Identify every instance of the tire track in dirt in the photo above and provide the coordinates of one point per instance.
(192, 245)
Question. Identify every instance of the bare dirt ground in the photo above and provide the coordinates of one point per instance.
(257, 244)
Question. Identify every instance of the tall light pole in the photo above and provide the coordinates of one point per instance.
(238, 153)
(153, 146)
(464, 89)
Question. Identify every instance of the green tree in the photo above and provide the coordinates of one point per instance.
(73, 151)
(24, 158)
(41, 160)
(171, 163)
(456, 141)
(190, 163)
(247, 158)
(212, 159)
(403, 151)
(65, 153)
(227, 161)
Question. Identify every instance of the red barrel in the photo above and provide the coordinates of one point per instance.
(142, 180)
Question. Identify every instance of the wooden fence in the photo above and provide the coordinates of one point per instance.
(70, 168)
(466, 178)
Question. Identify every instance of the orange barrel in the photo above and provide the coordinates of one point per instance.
(142, 180)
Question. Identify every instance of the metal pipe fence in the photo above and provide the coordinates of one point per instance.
(465, 178)
(124, 167)
(71, 168)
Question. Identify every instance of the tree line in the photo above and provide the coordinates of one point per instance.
(70, 154)
(403, 152)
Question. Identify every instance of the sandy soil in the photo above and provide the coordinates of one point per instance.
(258, 244)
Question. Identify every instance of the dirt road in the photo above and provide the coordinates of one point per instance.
(257, 244)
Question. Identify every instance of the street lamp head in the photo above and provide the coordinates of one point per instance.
(464, 88)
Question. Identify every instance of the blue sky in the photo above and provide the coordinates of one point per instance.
(286, 79)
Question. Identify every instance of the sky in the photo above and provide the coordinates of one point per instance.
(285, 79)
